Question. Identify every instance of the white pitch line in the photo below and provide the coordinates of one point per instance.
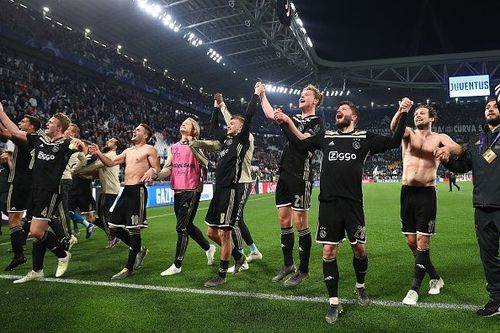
(446, 306)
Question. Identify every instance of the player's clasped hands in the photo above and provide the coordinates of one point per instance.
(280, 116)
(405, 104)
(442, 153)
(93, 149)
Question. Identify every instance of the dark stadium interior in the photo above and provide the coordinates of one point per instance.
(109, 65)
(97, 85)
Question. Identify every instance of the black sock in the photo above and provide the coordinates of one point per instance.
(433, 274)
(122, 234)
(224, 264)
(245, 233)
(198, 237)
(236, 253)
(59, 229)
(38, 253)
(360, 267)
(180, 249)
(331, 276)
(53, 244)
(26, 229)
(135, 247)
(16, 240)
(421, 264)
(305, 243)
(287, 240)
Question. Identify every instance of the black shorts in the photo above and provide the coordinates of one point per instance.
(340, 217)
(418, 210)
(293, 191)
(130, 210)
(45, 204)
(185, 207)
(104, 204)
(223, 208)
(84, 203)
(19, 198)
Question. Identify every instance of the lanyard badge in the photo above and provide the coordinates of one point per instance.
(489, 155)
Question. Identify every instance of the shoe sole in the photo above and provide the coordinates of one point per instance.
(276, 279)
(169, 274)
(295, 284)
(213, 285)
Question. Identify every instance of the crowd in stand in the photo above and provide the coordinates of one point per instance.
(103, 109)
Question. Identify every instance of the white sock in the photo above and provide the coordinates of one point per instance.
(334, 300)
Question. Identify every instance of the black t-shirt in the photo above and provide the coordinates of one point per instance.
(22, 163)
(296, 161)
(344, 155)
(50, 161)
(234, 148)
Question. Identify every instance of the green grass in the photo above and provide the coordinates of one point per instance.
(56, 307)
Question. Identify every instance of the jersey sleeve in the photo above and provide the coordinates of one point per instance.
(311, 143)
(317, 129)
(379, 143)
(245, 131)
(33, 139)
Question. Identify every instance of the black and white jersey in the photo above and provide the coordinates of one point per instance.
(343, 157)
(50, 160)
(234, 148)
(22, 163)
(294, 160)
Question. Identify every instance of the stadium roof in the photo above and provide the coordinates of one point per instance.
(395, 44)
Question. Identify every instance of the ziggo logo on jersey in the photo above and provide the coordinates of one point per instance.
(336, 156)
(45, 157)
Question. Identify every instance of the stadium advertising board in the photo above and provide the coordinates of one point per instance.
(469, 86)
(163, 195)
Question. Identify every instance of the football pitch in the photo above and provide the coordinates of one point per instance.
(86, 300)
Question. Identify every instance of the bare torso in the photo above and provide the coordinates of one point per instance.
(136, 163)
(419, 164)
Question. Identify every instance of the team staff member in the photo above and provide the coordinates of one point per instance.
(51, 153)
(186, 172)
(482, 158)
(452, 180)
(129, 215)
(341, 197)
(19, 188)
(110, 187)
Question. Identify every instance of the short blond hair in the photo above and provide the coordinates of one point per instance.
(317, 94)
(63, 120)
(196, 128)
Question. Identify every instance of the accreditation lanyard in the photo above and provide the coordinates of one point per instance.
(483, 137)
